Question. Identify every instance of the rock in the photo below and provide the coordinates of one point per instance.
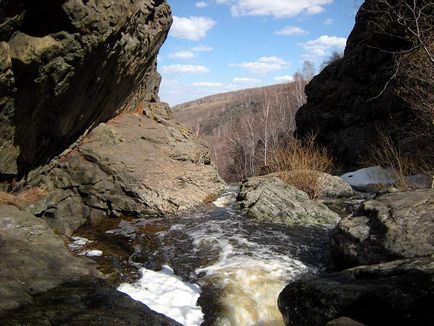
(344, 321)
(334, 186)
(68, 65)
(133, 165)
(33, 259)
(394, 293)
(363, 94)
(85, 302)
(269, 199)
(396, 225)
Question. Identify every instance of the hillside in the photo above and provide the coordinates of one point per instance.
(240, 127)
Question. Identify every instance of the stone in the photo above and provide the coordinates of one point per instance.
(269, 199)
(344, 321)
(34, 259)
(394, 293)
(68, 65)
(391, 226)
(132, 165)
(355, 100)
(86, 302)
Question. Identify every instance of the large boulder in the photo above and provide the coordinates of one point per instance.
(395, 225)
(269, 199)
(33, 258)
(394, 293)
(383, 84)
(136, 164)
(67, 65)
(85, 302)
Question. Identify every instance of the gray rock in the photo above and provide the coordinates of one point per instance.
(75, 64)
(269, 199)
(128, 166)
(344, 321)
(85, 302)
(394, 293)
(396, 225)
(33, 258)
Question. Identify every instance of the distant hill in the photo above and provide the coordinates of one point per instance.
(240, 126)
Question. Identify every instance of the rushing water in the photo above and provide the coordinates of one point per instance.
(216, 267)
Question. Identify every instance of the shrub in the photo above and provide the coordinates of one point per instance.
(23, 198)
(301, 164)
(388, 155)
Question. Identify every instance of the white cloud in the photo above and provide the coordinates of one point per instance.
(201, 4)
(284, 79)
(207, 84)
(189, 69)
(263, 65)
(202, 48)
(244, 81)
(276, 8)
(322, 46)
(182, 55)
(328, 21)
(291, 30)
(192, 28)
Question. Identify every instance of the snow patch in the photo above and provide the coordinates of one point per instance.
(374, 175)
(166, 293)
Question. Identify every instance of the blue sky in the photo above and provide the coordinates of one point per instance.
(217, 46)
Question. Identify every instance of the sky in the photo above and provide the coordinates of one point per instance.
(217, 46)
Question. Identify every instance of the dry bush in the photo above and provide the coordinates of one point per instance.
(301, 164)
(387, 155)
(23, 198)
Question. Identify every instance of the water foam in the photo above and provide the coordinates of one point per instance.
(166, 293)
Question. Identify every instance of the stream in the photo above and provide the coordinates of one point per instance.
(212, 266)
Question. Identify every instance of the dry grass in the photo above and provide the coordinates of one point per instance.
(22, 198)
(300, 163)
(387, 155)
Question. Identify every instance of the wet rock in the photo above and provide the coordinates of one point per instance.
(85, 302)
(394, 293)
(269, 199)
(33, 258)
(395, 225)
(68, 65)
(128, 166)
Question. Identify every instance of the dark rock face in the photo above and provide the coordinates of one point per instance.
(135, 165)
(85, 302)
(67, 65)
(33, 259)
(269, 199)
(396, 293)
(395, 225)
(343, 107)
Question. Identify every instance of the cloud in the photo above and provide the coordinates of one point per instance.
(192, 28)
(202, 48)
(276, 8)
(183, 55)
(328, 21)
(291, 30)
(244, 81)
(263, 65)
(284, 79)
(207, 85)
(201, 4)
(188, 69)
(322, 46)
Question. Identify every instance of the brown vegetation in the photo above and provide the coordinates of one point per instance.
(386, 153)
(301, 164)
(22, 198)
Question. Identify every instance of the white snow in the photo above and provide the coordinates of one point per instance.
(78, 243)
(373, 175)
(93, 253)
(166, 293)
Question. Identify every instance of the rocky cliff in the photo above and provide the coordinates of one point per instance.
(67, 65)
(383, 84)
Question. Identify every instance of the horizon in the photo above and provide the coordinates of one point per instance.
(219, 46)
